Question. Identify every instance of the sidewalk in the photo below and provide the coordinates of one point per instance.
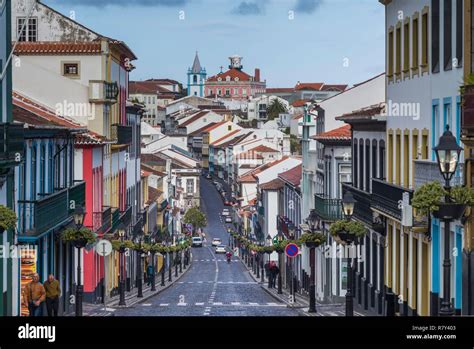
(301, 302)
(131, 298)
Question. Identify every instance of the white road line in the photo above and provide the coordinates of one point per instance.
(146, 304)
(182, 304)
(217, 303)
(164, 305)
(235, 303)
(198, 304)
(253, 304)
(200, 282)
(271, 304)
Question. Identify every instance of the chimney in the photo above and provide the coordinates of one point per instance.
(257, 75)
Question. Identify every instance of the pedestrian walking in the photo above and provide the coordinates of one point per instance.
(53, 292)
(150, 272)
(274, 271)
(34, 295)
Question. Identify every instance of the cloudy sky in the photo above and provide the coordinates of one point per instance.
(332, 41)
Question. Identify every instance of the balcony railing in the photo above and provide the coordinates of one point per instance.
(362, 209)
(387, 197)
(12, 144)
(38, 216)
(103, 92)
(121, 133)
(126, 216)
(328, 209)
(102, 221)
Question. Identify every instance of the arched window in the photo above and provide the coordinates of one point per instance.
(195, 79)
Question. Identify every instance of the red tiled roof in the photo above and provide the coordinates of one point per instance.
(292, 176)
(224, 137)
(334, 88)
(147, 87)
(233, 73)
(250, 175)
(152, 170)
(194, 118)
(202, 129)
(216, 125)
(272, 185)
(341, 133)
(280, 90)
(58, 48)
(370, 111)
(309, 86)
(249, 155)
(297, 116)
(264, 149)
(300, 102)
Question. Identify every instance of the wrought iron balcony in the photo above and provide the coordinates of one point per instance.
(121, 133)
(102, 221)
(387, 197)
(38, 216)
(362, 209)
(103, 92)
(328, 209)
(126, 216)
(12, 144)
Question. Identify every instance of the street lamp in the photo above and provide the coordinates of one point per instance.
(139, 266)
(280, 240)
(79, 214)
(153, 288)
(348, 203)
(447, 154)
(121, 233)
(312, 220)
(269, 275)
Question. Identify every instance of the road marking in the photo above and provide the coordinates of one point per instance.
(190, 282)
(182, 304)
(271, 304)
(253, 304)
(200, 282)
(164, 305)
(235, 303)
(146, 305)
(217, 303)
(198, 304)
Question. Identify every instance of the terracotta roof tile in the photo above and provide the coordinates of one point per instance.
(300, 102)
(341, 133)
(370, 111)
(201, 130)
(194, 118)
(233, 73)
(264, 149)
(58, 48)
(316, 86)
(292, 176)
(250, 175)
(272, 185)
(339, 88)
(216, 142)
(280, 90)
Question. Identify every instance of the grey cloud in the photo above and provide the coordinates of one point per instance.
(307, 6)
(249, 8)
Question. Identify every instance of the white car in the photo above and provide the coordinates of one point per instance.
(225, 212)
(197, 241)
(216, 242)
(220, 249)
(228, 219)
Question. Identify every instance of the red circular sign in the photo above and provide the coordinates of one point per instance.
(291, 250)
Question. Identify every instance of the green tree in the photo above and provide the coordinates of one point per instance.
(195, 217)
(295, 145)
(275, 108)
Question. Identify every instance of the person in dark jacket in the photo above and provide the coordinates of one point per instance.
(150, 272)
(274, 271)
(53, 292)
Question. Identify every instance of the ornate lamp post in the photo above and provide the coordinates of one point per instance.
(121, 234)
(139, 267)
(312, 220)
(447, 154)
(269, 275)
(348, 203)
(280, 240)
(153, 286)
(79, 214)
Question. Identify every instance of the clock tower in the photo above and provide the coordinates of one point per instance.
(196, 78)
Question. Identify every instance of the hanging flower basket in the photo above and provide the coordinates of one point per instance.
(312, 240)
(347, 231)
(79, 238)
(450, 211)
(7, 218)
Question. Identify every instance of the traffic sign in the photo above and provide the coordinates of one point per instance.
(275, 240)
(103, 248)
(291, 250)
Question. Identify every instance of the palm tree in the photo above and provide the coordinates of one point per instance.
(275, 108)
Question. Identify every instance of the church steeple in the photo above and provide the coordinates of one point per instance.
(196, 78)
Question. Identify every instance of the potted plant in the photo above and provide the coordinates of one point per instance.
(268, 249)
(7, 218)
(347, 231)
(430, 198)
(280, 247)
(313, 240)
(79, 237)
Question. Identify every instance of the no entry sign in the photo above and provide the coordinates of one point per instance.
(291, 250)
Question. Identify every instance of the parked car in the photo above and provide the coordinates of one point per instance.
(197, 241)
(216, 242)
(220, 249)
(228, 219)
(225, 212)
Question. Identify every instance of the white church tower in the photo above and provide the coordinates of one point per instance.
(196, 78)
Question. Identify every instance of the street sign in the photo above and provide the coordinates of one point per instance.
(103, 248)
(275, 240)
(291, 250)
